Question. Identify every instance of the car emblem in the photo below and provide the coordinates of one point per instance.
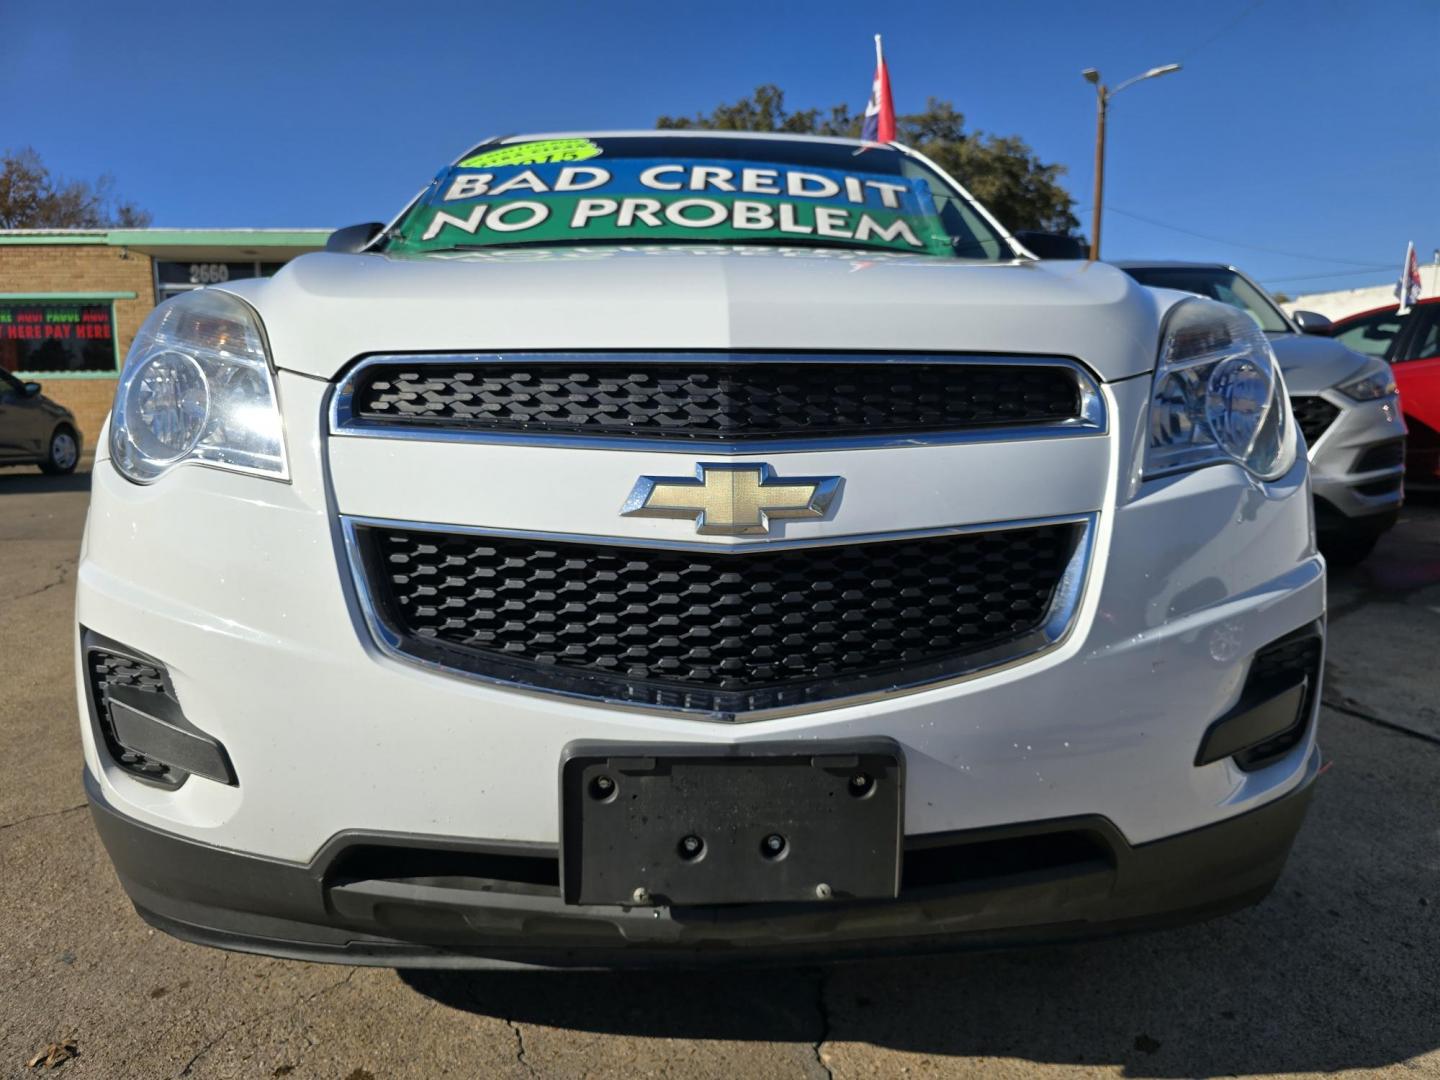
(734, 500)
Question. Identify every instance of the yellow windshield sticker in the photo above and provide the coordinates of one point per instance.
(534, 153)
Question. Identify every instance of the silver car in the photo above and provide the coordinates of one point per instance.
(35, 430)
(1346, 405)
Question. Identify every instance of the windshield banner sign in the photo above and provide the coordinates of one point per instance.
(546, 196)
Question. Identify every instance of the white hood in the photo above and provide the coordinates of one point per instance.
(323, 310)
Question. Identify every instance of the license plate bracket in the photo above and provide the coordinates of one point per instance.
(630, 813)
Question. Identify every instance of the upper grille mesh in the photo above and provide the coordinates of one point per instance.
(711, 399)
(1314, 415)
(716, 632)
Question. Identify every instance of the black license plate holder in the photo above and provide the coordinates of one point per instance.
(838, 808)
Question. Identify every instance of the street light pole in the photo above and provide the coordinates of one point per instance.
(1103, 94)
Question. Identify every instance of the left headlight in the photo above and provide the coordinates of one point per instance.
(197, 386)
(1217, 395)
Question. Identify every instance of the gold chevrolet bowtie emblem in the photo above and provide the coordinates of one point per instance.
(731, 499)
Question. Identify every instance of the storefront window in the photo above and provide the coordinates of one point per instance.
(172, 278)
(55, 335)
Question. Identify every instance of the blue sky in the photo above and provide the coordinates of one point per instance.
(1302, 139)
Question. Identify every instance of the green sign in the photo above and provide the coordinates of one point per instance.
(535, 153)
(488, 202)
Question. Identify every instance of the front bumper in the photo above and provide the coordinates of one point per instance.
(318, 911)
(240, 588)
(1356, 481)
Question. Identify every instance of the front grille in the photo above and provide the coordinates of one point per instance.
(111, 670)
(710, 398)
(716, 632)
(1375, 488)
(931, 862)
(1314, 415)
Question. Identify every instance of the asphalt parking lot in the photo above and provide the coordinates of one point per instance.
(1338, 971)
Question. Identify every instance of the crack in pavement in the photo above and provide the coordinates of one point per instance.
(39, 817)
(256, 1017)
(63, 569)
(520, 1046)
(1370, 718)
(822, 981)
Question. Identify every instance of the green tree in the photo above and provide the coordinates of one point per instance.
(999, 170)
(31, 197)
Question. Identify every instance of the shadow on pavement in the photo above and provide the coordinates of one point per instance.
(1257, 993)
(29, 480)
(1339, 968)
(1407, 558)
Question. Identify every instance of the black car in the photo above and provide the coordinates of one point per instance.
(35, 430)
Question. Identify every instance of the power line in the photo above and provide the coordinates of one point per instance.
(1222, 31)
(1334, 274)
(1248, 247)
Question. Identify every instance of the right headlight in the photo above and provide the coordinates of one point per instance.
(1217, 395)
(197, 386)
(1375, 380)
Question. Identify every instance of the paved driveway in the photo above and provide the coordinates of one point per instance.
(1339, 970)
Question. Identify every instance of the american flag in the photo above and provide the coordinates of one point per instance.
(1407, 290)
(879, 110)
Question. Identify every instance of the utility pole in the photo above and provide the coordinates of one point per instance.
(1103, 94)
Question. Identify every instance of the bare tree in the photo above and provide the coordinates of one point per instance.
(31, 197)
(1001, 171)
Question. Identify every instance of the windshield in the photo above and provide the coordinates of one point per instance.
(1218, 284)
(692, 189)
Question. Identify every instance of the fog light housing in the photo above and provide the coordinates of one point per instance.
(1273, 714)
(137, 719)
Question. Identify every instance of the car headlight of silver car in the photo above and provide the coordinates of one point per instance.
(1218, 395)
(197, 387)
(1375, 380)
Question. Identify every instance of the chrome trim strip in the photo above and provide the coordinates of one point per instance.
(1091, 422)
(1056, 629)
(711, 547)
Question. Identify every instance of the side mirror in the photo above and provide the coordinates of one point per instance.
(353, 238)
(32, 389)
(1048, 245)
(1311, 322)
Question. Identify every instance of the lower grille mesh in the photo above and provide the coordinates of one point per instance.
(715, 632)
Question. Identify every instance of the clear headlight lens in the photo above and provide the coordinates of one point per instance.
(1218, 395)
(1375, 380)
(197, 386)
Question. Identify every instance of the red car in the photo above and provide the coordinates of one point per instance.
(1411, 343)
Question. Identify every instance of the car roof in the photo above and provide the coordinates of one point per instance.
(687, 133)
(1385, 307)
(1170, 264)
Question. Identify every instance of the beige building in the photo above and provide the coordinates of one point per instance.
(71, 300)
(1342, 302)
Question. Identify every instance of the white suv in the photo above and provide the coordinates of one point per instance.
(671, 547)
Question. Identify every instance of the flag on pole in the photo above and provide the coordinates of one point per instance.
(1407, 291)
(879, 110)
